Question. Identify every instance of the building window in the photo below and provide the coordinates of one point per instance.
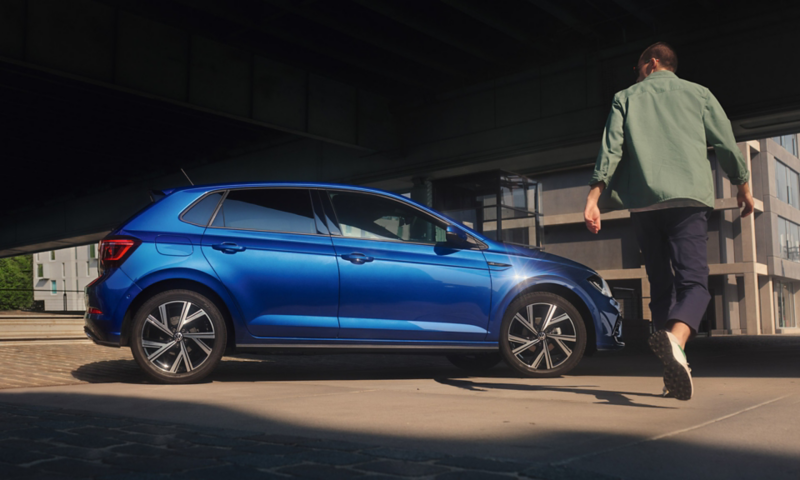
(88, 270)
(52, 254)
(789, 142)
(788, 183)
(53, 287)
(77, 285)
(92, 252)
(784, 305)
(789, 235)
(63, 269)
(39, 270)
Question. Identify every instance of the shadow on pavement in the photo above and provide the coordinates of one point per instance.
(40, 440)
(748, 357)
(607, 397)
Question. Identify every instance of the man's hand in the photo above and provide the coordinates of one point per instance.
(591, 214)
(745, 198)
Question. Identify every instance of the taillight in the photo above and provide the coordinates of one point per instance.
(114, 251)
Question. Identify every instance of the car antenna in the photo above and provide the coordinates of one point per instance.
(187, 176)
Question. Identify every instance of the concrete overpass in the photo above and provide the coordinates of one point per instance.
(102, 99)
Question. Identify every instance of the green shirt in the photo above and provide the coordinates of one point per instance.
(655, 145)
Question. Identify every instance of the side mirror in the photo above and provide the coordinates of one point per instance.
(456, 236)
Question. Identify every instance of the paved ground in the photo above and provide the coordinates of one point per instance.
(380, 416)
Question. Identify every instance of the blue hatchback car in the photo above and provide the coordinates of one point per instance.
(301, 267)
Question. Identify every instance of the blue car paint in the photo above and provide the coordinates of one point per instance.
(172, 249)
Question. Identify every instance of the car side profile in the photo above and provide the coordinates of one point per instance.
(302, 267)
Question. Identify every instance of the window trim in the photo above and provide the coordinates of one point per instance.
(203, 197)
(225, 197)
(479, 245)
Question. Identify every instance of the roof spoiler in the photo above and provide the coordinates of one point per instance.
(156, 195)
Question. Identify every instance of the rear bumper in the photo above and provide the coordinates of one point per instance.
(111, 295)
(93, 334)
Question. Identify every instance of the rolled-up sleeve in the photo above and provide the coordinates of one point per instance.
(719, 135)
(611, 148)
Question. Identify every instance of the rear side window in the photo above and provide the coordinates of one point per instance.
(201, 212)
(274, 210)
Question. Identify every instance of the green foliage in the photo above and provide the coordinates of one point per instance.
(16, 282)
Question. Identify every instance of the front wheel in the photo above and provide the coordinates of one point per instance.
(178, 336)
(542, 335)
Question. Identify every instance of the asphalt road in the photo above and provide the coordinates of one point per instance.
(605, 420)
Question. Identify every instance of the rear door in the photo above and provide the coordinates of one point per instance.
(276, 258)
(399, 279)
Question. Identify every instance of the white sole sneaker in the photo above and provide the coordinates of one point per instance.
(677, 375)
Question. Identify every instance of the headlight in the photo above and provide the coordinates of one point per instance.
(600, 285)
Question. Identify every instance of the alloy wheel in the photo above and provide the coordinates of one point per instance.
(177, 337)
(542, 336)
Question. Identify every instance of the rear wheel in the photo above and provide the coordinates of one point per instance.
(476, 362)
(178, 336)
(542, 335)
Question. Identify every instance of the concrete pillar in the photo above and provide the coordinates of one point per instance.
(730, 295)
(751, 324)
(767, 305)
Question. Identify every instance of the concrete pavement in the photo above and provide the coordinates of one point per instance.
(605, 420)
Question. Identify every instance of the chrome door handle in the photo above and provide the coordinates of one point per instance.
(227, 247)
(357, 258)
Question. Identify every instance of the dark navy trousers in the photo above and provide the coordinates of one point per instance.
(673, 243)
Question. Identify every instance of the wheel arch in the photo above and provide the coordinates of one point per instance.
(178, 284)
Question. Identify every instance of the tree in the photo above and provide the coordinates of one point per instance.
(16, 282)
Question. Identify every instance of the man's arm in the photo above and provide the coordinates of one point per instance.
(607, 161)
(591, 214)
(719, 135)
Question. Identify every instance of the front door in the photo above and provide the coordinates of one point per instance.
(400, 280)
(273, 255)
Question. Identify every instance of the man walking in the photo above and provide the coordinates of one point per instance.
(653, 161)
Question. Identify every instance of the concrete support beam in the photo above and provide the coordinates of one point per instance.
(106, 46)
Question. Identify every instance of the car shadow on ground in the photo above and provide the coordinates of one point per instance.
(721, 357)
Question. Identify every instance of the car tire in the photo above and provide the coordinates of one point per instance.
(540, 352)
(178, 336)
(475, 362)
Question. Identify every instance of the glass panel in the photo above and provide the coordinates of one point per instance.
(780, 177)
(53, 287)
(274, 210)
(784, 305)
(788, 294)
(200, 214)
(794, 242)
(39, 270)
(794, 189)
(782, 235)
(378, 218)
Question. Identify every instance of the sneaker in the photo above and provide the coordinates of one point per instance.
(677, 374)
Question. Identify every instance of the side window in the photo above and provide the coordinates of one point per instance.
(201, 212)
(274, 210)
(377, 218)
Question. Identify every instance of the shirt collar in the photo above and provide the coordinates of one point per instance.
(661, 73)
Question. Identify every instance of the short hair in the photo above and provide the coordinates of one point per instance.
(663, 53)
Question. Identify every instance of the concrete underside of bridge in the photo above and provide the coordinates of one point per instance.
(102, 100)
